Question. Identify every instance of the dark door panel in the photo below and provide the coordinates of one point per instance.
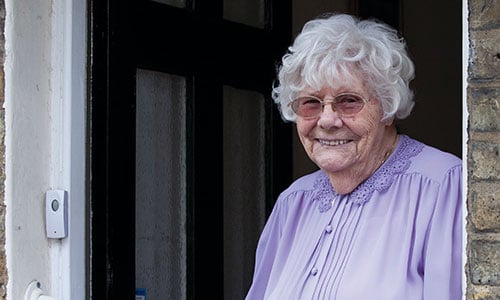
(211, 55)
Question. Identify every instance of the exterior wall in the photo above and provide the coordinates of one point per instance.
(483, 159)
(43, 125)
(3, 261)
(28, 155)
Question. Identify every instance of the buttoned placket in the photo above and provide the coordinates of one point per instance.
(321, 252)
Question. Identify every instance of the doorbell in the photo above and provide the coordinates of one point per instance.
(56, 213)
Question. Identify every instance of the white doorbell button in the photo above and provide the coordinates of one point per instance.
(56, 213)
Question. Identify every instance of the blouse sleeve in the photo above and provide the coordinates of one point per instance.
(265, 254)
(443, 250)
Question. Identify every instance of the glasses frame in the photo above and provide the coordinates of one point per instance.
(326, 101)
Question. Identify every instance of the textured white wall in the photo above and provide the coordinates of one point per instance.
(27, 107)
(45, 144)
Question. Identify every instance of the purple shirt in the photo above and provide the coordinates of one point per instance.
(397, 236)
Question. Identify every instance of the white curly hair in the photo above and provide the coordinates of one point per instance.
(326, 50)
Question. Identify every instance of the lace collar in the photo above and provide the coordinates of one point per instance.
(397, 163)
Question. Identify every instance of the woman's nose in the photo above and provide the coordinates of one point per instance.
(329, 118)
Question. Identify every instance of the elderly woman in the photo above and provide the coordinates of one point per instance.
(381, 218)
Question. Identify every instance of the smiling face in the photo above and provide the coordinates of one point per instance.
(346, 148)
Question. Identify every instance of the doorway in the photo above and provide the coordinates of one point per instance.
(187, 149)
(187, 152)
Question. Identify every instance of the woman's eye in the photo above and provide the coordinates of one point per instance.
(310, 101)
(349, 99)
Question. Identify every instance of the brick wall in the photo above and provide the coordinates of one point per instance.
(483, 159)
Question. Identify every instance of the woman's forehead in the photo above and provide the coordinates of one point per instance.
(341, 84)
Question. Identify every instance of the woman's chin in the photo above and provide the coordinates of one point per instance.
(332, 165)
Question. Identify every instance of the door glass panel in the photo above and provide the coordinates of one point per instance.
(161, 185)
(176, 3)
(248, 12)
(244, 186)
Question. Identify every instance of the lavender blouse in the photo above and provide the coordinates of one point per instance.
(397, 236)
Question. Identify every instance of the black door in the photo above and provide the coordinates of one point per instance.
(187, 150)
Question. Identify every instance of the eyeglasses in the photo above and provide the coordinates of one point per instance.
(345, 104)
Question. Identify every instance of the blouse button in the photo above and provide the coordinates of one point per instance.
(314, 271)
(328, 229)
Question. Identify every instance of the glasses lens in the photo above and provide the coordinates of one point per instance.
(344, 104)
(348, 104)
(307, 107)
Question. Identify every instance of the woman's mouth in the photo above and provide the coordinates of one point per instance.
(333, 142)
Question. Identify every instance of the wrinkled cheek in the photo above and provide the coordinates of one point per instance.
(306, 143)
(310, 147)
